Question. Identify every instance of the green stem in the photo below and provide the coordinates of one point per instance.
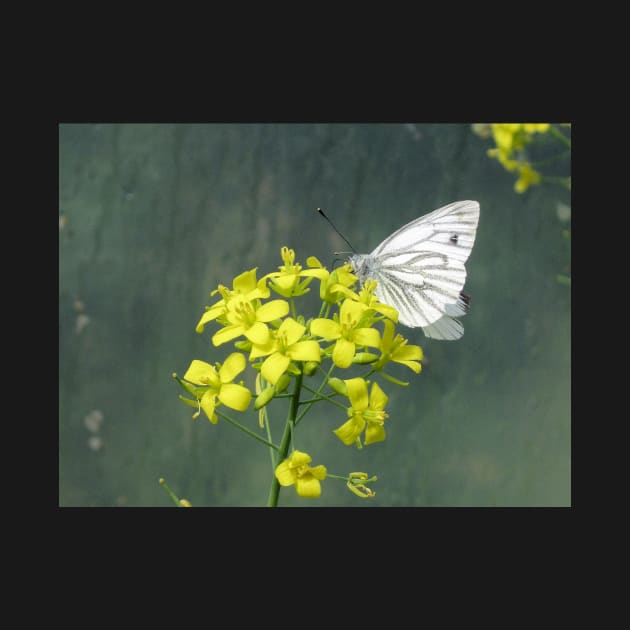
(331, 476)
(238, 425)
(560, 136)
(170, 493)
(272, 455)
(320, 396)
(274, 491)
(563, 181)
(318, 392)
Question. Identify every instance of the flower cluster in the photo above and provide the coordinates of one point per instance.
(512, 140)
(352, 331)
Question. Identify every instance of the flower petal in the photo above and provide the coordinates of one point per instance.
(200, 373)
(285, 474)
(235, 396)
(343, 353)
(298, 458)
(367, 337)
(272, 310)
(245, 282)
(213, 312)
(412, 365)
(388, 336)
(308, 487)
(322, 274)
(351, 310)
(304, 351)
(232, 367)
(292, 330)
(408, 353)
(386, 309)
(375, 432)
(208, 403)
(319, 472)
(263, 350)
(258, 333)
(357, 393)
(274, 367)
(227, 334)
(325, 328)
(349, 431)
(284, 283)
(378, 398)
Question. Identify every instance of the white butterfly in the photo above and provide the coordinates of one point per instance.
(420, 269)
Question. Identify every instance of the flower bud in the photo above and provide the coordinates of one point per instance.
(361, 358)
(283, 383)
(244, 344)
(310, 367)
(337, 385)
(264, 397)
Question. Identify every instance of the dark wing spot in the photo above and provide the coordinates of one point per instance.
(465, 298)
(453, 239)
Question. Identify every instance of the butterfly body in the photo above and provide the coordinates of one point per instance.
(420, 269)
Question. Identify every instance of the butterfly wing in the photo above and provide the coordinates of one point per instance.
(449, 230)
(420, 268)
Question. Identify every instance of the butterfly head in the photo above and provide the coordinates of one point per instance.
(362, 266)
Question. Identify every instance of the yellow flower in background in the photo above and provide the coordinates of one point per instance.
(366, 413)
(295, 470)
(250, 319)
(285, 346)
(396, 349)
(220, 384)
(511, 140)
(286, 281)
(348, 333)
(527, 177)
(245, 285)
(536, 127)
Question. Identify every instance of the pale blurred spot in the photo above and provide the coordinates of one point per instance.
(563, 212)
(79, 307)
(95, 442)
(63, 221)
(93, 420)
(82, 321)
(121, 501)
(414, 131)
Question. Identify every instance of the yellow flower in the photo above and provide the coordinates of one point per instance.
(245, 285)
(366, 296)
(348, 333)
(504, 135)
(250, 319)
(356, 484)
(285, 346)
(365, 413)
(295, 471)
(536, 127)
(527, 177)
(220, 384)
(286, 281)
(333, 285)
(396, 349)
(502, 156)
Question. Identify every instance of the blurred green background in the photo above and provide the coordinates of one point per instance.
(154, 216)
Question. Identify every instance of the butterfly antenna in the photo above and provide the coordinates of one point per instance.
(336, 230)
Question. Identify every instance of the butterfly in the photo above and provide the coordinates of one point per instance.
(420, 269)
